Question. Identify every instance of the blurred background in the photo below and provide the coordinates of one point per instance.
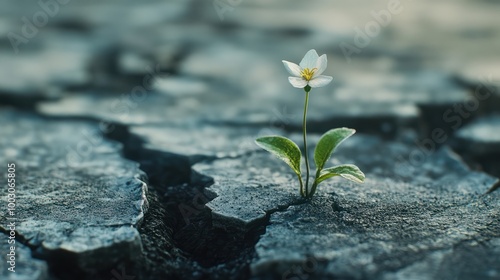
(220, 61)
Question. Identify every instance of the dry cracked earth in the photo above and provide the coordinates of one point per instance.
(131, 128)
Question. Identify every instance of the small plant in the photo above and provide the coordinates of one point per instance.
(307, 75)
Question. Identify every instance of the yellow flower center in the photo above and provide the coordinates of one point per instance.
(307, 73)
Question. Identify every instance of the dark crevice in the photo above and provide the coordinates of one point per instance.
(21, 101)
(386, 127)
(66, 265)
(452, 117)
(232, 247)
(173, 247)
(72, 25)
(178, 196)
(485, 163)
(179, 239)
(184, 242)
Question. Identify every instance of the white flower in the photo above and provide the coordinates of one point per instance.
(309, 71)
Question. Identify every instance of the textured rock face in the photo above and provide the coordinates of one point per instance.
(371, 241)
(409, 219)
(76, 196)
(425, 222)
(197, 141)
(417, 215)
(248, 188)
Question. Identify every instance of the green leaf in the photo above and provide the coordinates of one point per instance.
(283, 148)
(348, 171)
(327, 144)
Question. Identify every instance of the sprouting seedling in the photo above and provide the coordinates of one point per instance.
(307, 75)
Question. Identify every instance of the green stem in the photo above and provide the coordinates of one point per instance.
(306, 155)
(315, 185)
(301, 187)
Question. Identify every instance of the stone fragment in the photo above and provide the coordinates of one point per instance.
(75, 194)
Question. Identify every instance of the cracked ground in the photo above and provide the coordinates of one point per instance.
(132, 125)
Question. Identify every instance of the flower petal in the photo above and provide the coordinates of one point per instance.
(297, 82)
(319, 81)
(292, 68)
(309, 60)
(321, 64)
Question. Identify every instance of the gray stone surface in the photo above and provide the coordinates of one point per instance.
(202, 140)
(248, 189)
(334, 237)
(271, 184)
(25, 267)
(404, 220)
(75, 194)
